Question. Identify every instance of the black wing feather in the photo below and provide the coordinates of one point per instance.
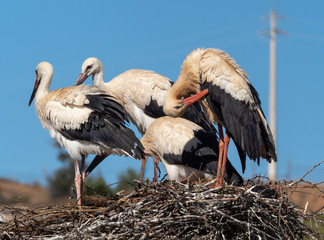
(154, 110)
(240, 120)
(106, 126)
(201, 153)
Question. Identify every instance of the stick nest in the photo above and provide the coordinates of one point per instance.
(169, 210)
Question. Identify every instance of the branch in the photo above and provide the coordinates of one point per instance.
(301, 179)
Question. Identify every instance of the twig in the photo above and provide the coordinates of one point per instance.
(159, 211)
(306, 173)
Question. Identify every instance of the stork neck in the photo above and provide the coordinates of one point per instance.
(43, 87)
(173, 106)
(97, 79)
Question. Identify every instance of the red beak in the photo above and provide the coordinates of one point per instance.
(34, 92)
(190, 100)
(82, 77)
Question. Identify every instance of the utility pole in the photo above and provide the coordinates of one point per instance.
(272, 168)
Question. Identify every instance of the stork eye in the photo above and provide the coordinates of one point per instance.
(178, 107)
(36, 72)
(89, 67)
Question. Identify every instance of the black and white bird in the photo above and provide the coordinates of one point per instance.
(229, 99)
(186, 150)
(141, 93)
(85, 120)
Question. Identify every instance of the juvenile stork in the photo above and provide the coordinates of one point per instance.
(186, 150)
(141, 93)
(228, 98)
(83, 119)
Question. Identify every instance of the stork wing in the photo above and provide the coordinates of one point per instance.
(87, 113)
(146, 89)
(179, 141)
(201, 153)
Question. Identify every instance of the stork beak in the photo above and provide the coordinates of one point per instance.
(82, 77)
(190, 100)
(34, 92)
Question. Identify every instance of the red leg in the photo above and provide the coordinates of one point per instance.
(78, 182)
(220, 156)
(83, 175)
(156, 169)
(144, 160)
(226, 142)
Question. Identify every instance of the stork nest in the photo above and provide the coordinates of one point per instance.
(169, 210)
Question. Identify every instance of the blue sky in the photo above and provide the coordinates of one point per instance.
(158, 35)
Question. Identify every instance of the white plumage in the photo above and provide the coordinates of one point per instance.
(185, 149)
(134, 89)
(79, 118)
(228, 98)
(140, 92)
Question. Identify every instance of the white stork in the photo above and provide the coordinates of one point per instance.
(83, 119)
(141, 93)
(186, 150)
(227, 98)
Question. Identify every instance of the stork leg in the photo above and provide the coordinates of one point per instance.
(144, 161)
(83, 175)
(78, 181)
(156, 169)
(220, 155)
(226, 142)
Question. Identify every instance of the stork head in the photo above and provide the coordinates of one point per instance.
(91, 66)
(44, 74)
(173, 106)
